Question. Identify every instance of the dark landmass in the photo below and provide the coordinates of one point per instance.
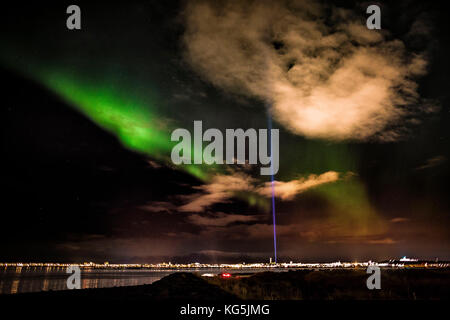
(334, 284)
(340, 284)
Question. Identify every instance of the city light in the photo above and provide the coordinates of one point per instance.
(400, 263)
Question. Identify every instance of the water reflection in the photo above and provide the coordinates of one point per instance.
(33, 279)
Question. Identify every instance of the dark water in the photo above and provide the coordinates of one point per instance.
(34, 279)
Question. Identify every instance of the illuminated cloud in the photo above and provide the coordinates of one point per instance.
(219, 190)
(220, 219)
(158, 206)
(339, 82)
(382, 241)
(223, 187)
(399, 220)
(288, 190)
(433, 162)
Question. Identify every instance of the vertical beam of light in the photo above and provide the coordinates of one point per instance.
(273, 190)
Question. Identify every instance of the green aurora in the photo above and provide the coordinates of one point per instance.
(135, 120)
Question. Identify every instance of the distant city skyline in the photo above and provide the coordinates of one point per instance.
(400, 262)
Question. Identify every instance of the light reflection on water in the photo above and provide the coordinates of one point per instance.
(34, 279)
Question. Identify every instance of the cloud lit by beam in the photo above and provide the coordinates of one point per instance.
(223, 187)
(288, 190)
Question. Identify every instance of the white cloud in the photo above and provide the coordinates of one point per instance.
(335, 80)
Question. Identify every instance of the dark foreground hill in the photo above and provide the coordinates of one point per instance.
(340, 284)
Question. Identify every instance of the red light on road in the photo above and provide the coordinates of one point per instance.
(226, 275)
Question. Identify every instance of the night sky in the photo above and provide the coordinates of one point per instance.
(87, 117)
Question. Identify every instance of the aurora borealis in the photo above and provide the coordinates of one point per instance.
(89, 115)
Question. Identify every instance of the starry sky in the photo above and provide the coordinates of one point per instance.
(87, 117)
